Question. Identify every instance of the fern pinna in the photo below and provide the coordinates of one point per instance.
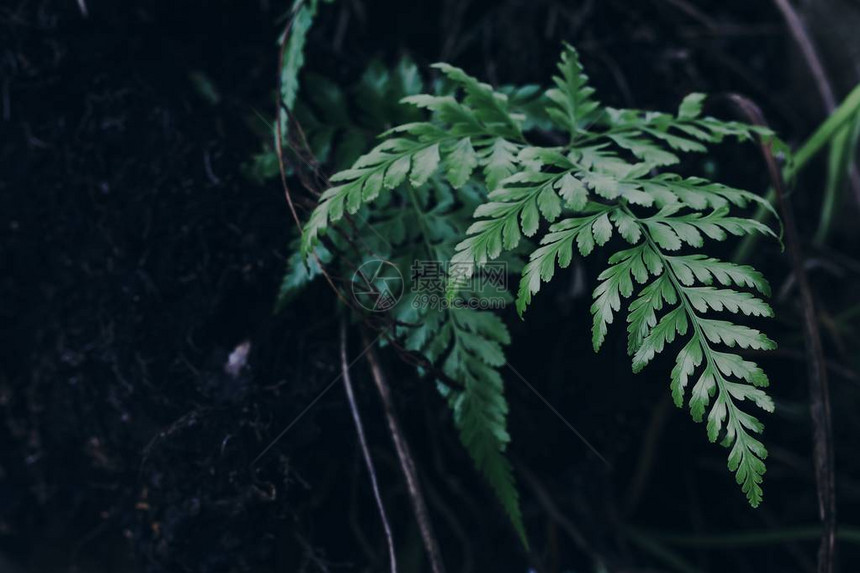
(475, 187)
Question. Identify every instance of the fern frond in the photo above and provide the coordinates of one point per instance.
(300, 272)
(690, 268)
(477, 130)
(686, 131)
(687, 305)
(468, 346)
(385, 167)
(557, 245)
(302, 16)
(490, 107)
(480, 408)
(560, 201)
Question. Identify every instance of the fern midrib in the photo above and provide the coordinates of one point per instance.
(516, 207)
(694, 320)
(469, 381)
(633, 130)
(604, 134)
(433, 251)
(422, 224)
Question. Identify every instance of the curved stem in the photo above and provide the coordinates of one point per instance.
(819, 393)
(362, 440)
(407, 463)
(848, 111)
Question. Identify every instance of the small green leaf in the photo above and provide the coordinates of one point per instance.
(602, 229)
(572, 191)
(549, 203)
(424, 164)
(460, 163)
(499, 161)
(691, 106)
(396, 173)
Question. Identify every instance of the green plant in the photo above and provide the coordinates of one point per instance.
(469, 185)
(839, 134)
(301, 17)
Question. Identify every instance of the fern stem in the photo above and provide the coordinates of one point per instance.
(407, 462)
(819, 393)
(365, 451)
(602, 135)
(422, 223)
(848, 111)
(685, 302)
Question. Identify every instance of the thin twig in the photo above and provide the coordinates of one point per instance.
(280, 150)
(407, 463)
(408, 356)
(555, 514)
(455, 527)
(810, 55)
(816, 68)
(279, 139)
(365, 451)
(819, 395)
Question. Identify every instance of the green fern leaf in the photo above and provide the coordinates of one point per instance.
(460, 163)
(499, 160)
(572, 105)
(649, 336)
(300, 273)
(302, 15)
(468, 345)
(611, 177)
(691, 106)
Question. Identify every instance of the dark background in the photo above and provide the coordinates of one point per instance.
(135, 257)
